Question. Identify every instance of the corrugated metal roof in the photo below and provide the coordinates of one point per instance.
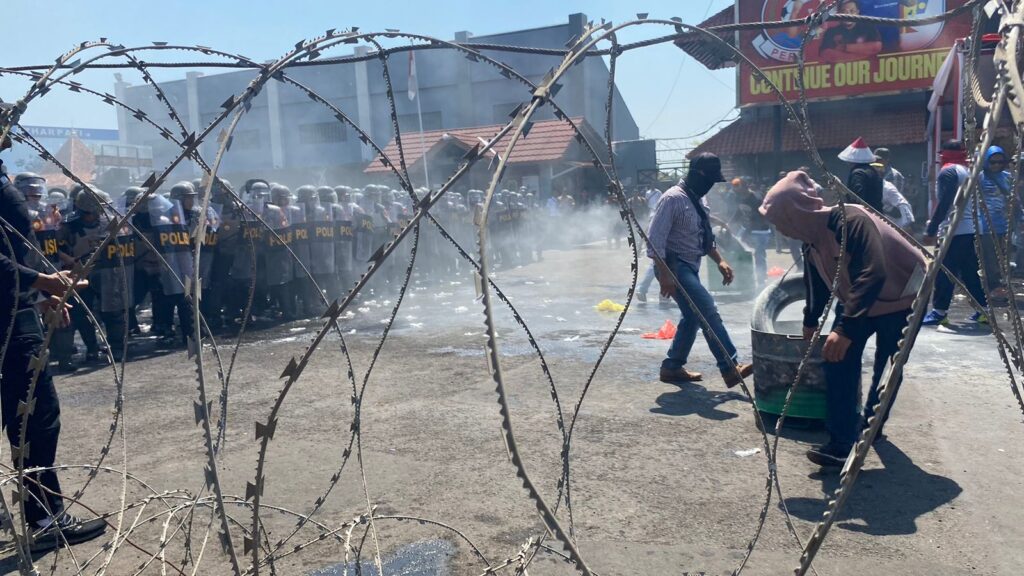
(706, 51)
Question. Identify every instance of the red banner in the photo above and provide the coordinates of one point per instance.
(844, 58)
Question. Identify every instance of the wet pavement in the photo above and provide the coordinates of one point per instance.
(426, 558)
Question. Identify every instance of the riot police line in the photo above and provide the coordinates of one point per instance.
(268, 253)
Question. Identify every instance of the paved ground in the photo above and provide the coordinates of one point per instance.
(657, 484)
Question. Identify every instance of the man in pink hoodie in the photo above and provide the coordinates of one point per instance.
(878, 277)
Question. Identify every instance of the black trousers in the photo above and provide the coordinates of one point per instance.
(44, 421)
(962, 261)
(215, 289)
(168, 304)
(65, 337)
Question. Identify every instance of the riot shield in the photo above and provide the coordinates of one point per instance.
(300, 236)
(364, 237)
(344, 237)
(210, 241)
(250, 238)
(114, 276)
(46, 225)
(321, 232)
(278, 265)
(172, 241)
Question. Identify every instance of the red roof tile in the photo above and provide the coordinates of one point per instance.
(891, 127)
(548, 140)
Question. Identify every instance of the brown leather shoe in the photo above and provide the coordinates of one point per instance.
(670, 376)
(741, 371)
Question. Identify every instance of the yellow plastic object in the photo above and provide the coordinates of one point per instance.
(609, 306)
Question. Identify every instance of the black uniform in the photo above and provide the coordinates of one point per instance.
(866, 182)
(26, 342)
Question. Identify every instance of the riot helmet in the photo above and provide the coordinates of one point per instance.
(280, 195)
(57, 199)
(132, 193)
(306, 194)
(221, 188)
(32, 185)
(257, 188)
(326, 195)
(91, 201)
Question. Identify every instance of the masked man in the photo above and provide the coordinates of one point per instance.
(681, 235)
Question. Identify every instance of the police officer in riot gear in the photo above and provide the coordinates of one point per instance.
(147, 265)
(279, 265)
(168, 218)
(44, 513)
(320, 231)
(33, 187)
(248, 249)
(219, 250)
(348, 219)
(109, 294)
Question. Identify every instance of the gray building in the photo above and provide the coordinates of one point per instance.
(289, 138)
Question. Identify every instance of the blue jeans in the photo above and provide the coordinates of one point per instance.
(843, 420)
(645, 283)
(686, 333)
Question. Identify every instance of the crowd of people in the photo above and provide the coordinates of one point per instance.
(279, 254)
(879, 270)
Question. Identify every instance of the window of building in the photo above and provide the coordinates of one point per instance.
(502, 111)
(411, 122)
(322, 133)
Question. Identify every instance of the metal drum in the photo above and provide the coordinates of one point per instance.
(778, 348)
(742, 262)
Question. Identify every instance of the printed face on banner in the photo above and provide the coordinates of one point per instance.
(844, 59)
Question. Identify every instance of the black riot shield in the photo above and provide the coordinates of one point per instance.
(321, 231)
(300, 237)
(173, 243)
(344, 239)
(249, 240)
(114, 274)
(278, 264)
(364, 241)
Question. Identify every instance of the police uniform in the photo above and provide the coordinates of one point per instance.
(26, 341)
(171, 232)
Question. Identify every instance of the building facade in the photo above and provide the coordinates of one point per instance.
(287, 137)
(879, 92)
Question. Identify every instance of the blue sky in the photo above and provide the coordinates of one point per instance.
(669, 94)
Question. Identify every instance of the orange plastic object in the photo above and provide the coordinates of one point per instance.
(666, 332)
(775, 272)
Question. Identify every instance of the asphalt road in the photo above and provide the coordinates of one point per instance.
(662, 482)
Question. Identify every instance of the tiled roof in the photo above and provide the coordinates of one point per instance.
(77, 158)
(548, 140)
(892, 127)
(706, 51)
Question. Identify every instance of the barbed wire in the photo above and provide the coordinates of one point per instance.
(256, 542)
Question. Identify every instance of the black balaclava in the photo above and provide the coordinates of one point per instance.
(705, 171)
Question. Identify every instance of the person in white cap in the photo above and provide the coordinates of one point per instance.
(864, 181)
